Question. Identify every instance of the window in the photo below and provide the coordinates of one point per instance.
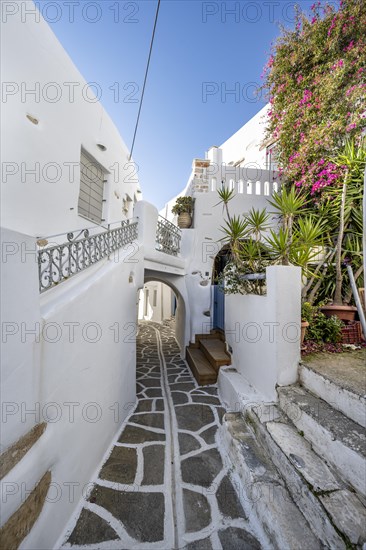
(92, 179)
(271, 157)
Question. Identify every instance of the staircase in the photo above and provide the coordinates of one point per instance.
(206, 356)
(304, 459)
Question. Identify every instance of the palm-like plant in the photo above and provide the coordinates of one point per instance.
(254, 244)
(258, 222)
(235, 230)
(225, 195)
(288, 204)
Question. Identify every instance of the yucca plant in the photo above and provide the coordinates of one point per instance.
(235, 230)
(225, 195)
(258, 222)
(288, 204)
(255, 244)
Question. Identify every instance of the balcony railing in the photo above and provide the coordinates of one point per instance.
(168, 237)
(60, 262)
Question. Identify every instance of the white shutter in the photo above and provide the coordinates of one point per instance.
(92, 177)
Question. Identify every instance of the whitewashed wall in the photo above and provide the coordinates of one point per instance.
(155, 302)
(165, 268)
(264, 334)
(20, 351)
(246, 145)
(68, 357)
(201, 243)
(200, 246)
(69, 116)
(77, 372)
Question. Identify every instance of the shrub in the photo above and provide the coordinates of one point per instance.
(321, 328)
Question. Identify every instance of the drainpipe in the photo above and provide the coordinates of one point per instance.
(357, 299)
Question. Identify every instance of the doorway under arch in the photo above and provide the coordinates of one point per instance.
(176, 305)
(218, 296)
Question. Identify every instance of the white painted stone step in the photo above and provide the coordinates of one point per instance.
(264, 493)
(344, 397)
(348, 513)
(333, 436)
(303, 471)
(299, 452)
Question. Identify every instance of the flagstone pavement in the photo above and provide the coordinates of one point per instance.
(165, 484)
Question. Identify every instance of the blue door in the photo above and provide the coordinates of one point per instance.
(219, 307)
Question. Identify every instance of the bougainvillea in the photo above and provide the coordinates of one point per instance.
(316, 81)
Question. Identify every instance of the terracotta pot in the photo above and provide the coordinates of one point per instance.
(345, 313)
(304, 326)
(184, 220)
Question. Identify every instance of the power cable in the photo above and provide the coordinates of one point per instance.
(145, 79)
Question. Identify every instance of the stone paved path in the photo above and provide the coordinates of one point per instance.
(164, 484)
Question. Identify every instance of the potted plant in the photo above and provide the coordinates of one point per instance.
(352, 159)
(183, 208)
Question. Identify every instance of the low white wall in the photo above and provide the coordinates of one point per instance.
(82, 383)
(20, 314)
(264, 332)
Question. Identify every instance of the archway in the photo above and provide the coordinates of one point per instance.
(155, 281)
(157, 302)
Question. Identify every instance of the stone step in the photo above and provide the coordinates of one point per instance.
(335, 387)
(201, 368)
(263, 491)
(213, 335)
(215, 351)
(312, 485)
(340, 441)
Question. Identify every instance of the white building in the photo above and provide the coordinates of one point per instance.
(65, 351)
(69, 353)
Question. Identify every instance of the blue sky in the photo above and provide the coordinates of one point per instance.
(202, 50)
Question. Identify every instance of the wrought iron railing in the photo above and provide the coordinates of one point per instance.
(60, 262)
(168, 237)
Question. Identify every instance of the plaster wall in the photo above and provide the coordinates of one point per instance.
(264, 332)
(199, 248)
(20, 351)
(41, 162)
(246, 148)
(164, 268)
(246, 145)
(155, 303)
(77, 373)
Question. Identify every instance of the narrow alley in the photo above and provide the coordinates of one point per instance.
(165, 484)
